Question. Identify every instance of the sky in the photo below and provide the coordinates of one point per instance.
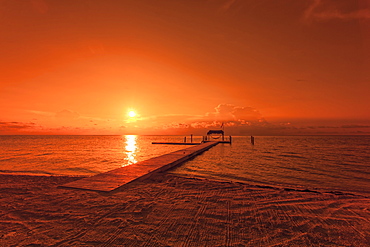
(259, 67)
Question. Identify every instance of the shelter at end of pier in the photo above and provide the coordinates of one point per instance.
(213, 135)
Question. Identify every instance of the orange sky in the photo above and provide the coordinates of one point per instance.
(262, 67)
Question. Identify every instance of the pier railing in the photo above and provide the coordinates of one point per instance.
(222, 139)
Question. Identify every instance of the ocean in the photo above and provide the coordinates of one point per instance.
(324, 163)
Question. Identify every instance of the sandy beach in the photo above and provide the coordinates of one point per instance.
(170, 210)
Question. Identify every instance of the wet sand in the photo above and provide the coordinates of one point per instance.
(169, 210)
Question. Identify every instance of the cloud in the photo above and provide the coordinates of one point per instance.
(320, 10)
(236, 120)
(229, 112)
(310, 10)
(15, 127)
(228, 115)
(67, 114)
(355, 126)
(41, 113)
(227, 5)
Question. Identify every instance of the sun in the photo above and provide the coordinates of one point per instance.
(131, 114)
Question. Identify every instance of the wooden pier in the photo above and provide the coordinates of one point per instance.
(111, 180)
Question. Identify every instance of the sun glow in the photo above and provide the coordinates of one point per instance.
(132, 114)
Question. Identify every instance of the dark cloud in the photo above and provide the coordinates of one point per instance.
(15, 127)
(355, 126)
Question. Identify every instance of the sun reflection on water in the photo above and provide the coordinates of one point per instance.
(131, 149)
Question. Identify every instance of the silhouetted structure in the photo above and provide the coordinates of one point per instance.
(218, 133)
(210, 132)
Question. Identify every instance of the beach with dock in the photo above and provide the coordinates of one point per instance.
(152, 207)
(168, 210)
(219, 123)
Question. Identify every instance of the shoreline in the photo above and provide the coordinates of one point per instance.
(171, 210)
(286, 187)
(296, 188)
(40, 175)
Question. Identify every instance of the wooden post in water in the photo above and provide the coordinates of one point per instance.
(185, 139)
(230, 139)
(252, 140)
(191, 138)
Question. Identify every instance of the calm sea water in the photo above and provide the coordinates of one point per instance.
(334, 163)
(77, 155)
